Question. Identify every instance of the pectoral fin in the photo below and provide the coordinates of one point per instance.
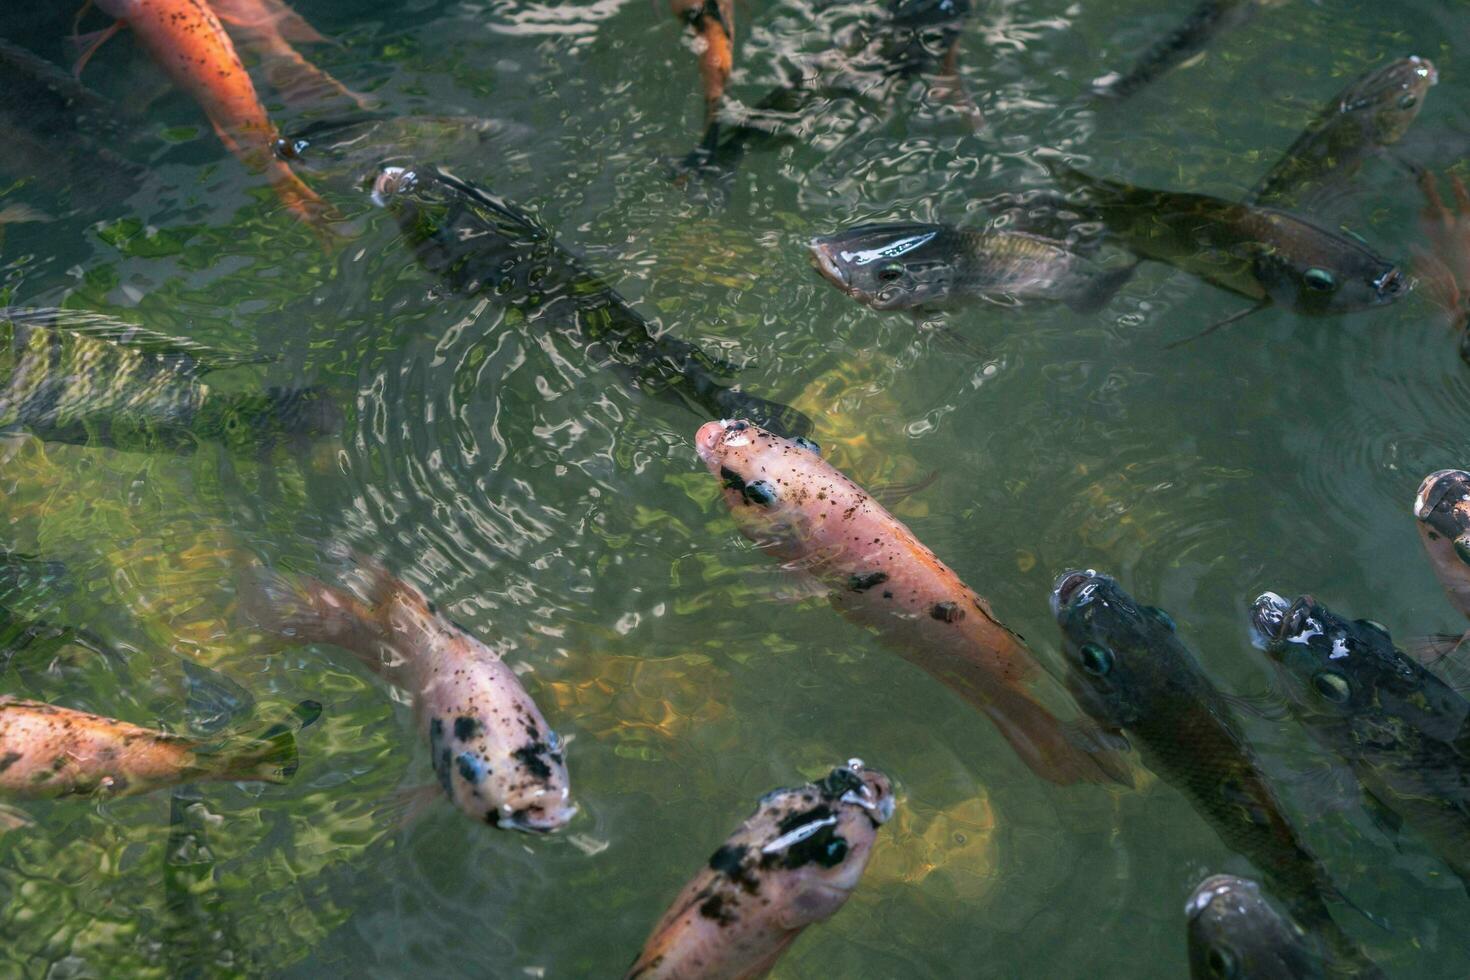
(1232, 318)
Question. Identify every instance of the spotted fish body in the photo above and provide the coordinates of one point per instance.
(793, 863)
(1132, 672)
(493, 752)
(1442, 510)
(1404, 731)
(803, 511)
(1262, 253)
(483, 245)
(48, 751)
(1234, 932)
(78, 377)
(1373, 112)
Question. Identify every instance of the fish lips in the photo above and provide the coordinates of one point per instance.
(1072, 588)
(1269, 616)
(390, 181)
(824, 257)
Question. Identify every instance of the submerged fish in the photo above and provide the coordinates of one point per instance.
(1267, 255)
(792, 863)
(1129, 670)
(268, 28)
(496, 757)
(713, 23)
(1444, 264)
(186, 40)
(802, 511)
(1372, 113)
(1401, 729)
(905, 266)
(1210, 18)
(1442, 510)
(482, 244)
(1235, 934)
(48, 751)
(78, 377)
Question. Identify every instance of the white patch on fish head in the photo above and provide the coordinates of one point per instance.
(892, 250)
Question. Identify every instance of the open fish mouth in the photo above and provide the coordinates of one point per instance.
(824, 258)
(390, 181)
(1068, 586)
(1435, 489)
(547, 822)
(1268, 619)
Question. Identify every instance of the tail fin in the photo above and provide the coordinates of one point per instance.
(1059, 753)
(271, 756)
(302, 611)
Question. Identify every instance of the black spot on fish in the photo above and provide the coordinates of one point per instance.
(731, 478)
(801, 817)
(440, 755)
(824, 847)
(839, 781)
(714, 908)
(9, 759)
(530, 757)
(947, 612)
(469, 768)
(466, 728)
(727, 860)
(430, 605)
(862, 583)
(887, 594)
(760, 492)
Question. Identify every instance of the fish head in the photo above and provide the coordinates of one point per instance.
(1235, 934)
(1333, 666)
(754, 466)
(1324, 273)
(890, 266)
(539, 800)
(1442, 510)
(808, 847)
(1389, 99)
(1122, 657)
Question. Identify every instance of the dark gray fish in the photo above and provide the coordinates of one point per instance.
(1372, 113)
(1128, 669)
(482, 244)
(1401, 729)
(902, 266)
(1210, 18)
(78, 377)
(1235, 934)
(910, 38)
(1265, 254)
(1442, 511)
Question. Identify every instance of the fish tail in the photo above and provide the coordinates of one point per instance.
(304, 611)
(271, 756)
(1057, 752)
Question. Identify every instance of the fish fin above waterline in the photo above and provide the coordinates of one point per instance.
(1059, 753)
(185, 356)
(1232, 318)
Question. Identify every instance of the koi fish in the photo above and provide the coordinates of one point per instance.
(802, 511)
(713, 23)
(268, 27)
(188, 42)
(793, 863)
(48, 751)
(494, 754)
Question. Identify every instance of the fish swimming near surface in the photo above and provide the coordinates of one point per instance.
(1129, 669)
(483, 245)
(187, 40)
(496, 757)
(269, 28)
(1204, 23)
(804, 512)
(1267, 255)
(792, 863)
(713, 24)
(1442, 512)
(905, 266)
(78, 377)
(1236, 934)
(49, 751)
(1400, 727)
(1372, 113)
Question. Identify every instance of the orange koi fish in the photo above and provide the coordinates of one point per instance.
(188, 42)
(713, 22)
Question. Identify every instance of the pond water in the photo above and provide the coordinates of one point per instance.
(566, 520)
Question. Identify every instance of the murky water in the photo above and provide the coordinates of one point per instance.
(567, 522)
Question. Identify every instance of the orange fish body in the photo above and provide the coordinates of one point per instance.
(188, 42)
(713, 22)
(268, 27)
(47, 751)
(806, 513)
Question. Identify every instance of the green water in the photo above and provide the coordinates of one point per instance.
(568, 522)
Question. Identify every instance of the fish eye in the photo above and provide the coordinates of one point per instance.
(1164, 619)
(1222, 962)
(1096, 660)
(1334, 687)
(1320, 279)
(1408, 101)
(890, 273)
